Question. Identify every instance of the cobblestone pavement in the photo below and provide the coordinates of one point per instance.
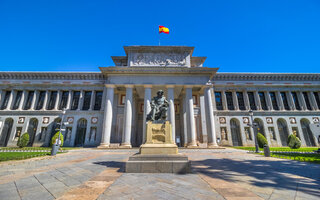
(217, 174)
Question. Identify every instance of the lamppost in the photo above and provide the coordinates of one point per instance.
(254, 127)
(55, 147)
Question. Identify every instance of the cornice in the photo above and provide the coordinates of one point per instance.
(52, 75)
(266, 77)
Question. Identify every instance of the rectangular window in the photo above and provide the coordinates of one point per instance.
(229, 101)
(98, 100)
(295, 100)
(75, 100)
(86, 100)
(30, 97)
(241, 101)
(40, 102)
(285, 100)
(218, 100)
(316, 95)
(64, 100)
(17, 100)
(263, 100)
(52, 100)
(251, 101)
(306, 99)
(6, 100)
(274, 100)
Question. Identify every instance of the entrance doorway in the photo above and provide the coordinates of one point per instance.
(235, 132)
(283, 131)
(32, 130)
(81, 132)
(6, 132)
(307, 133)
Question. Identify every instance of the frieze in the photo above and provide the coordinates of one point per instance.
(52, 75)
(159, 59)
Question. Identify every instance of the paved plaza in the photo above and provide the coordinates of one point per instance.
(217, 174)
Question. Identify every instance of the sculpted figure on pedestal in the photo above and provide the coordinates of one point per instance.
(159, 106)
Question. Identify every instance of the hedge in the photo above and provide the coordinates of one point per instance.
(294, 142)
(53, 140)
(261, 140)
(23, 140)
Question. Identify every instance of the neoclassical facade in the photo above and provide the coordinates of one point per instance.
(207, 108)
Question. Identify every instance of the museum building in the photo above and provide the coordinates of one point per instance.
(206, 108)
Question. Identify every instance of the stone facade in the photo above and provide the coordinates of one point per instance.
(207, 108)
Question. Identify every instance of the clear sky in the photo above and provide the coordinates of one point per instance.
(237, 36)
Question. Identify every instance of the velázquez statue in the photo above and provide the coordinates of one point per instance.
(159, 106)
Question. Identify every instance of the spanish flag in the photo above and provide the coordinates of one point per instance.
(163, 29)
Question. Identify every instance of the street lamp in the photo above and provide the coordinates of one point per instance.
(55, 147)
(254, 127)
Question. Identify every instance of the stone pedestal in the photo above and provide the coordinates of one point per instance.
(159, 154)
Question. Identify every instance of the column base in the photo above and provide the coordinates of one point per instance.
(103, 146)
(125, 146)
(213, 146)
(192, 145)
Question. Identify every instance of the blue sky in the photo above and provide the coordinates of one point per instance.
(237, 36)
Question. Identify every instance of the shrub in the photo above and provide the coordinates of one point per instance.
(294, 142)
(53, 140)
(261, 140)
(23, 140)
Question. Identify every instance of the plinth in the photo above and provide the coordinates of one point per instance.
(159, 154)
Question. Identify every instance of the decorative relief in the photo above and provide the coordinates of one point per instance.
(21, 120)
(159, 59)
(94, 120)
(70, 120)
(245, 120)
(315, 120)
(292, 120)
(269, 120)
(222, 120)
(45, 120)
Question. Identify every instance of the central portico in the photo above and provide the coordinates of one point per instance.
(137, 77)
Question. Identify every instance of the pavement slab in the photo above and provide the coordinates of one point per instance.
(217, 174)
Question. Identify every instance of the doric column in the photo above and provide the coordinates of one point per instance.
(80, 104)
(290, 101)
(204, 113)
(235, 100)
(224, 100)
(246, 100)
(45, 102)
(268, 100)
(303, 104)
(23, 99)
(214, 105)
(92, 100)
(212, 139)
(146, 109)
(126, 139)
(11, 99)
(185, 120)
(191, 120)
(257, 100)
(58, 100)
(107, 123)
(279, 100)
(172, 118)
(313, 101)
(68, 107)
(34, 99)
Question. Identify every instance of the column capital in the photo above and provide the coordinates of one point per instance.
(147, 86)
(169, 86)
(188, 86)
(128, 86)
(109, 85)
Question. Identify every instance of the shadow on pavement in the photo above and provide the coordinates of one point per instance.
(264, 173)
(112, 164)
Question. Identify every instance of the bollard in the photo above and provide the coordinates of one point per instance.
(266, 150)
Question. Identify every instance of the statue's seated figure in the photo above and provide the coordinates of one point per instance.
(159, 106)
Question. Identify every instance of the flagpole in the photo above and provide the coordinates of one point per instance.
(159, 39)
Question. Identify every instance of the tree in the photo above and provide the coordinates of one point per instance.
(23, 140)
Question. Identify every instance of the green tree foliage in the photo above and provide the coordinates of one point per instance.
(261, 140)
(23, 140)
(294, 142)
(53, 140)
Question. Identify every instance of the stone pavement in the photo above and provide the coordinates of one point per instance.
(217, 174)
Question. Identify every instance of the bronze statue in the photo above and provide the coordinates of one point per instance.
(159, 106)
